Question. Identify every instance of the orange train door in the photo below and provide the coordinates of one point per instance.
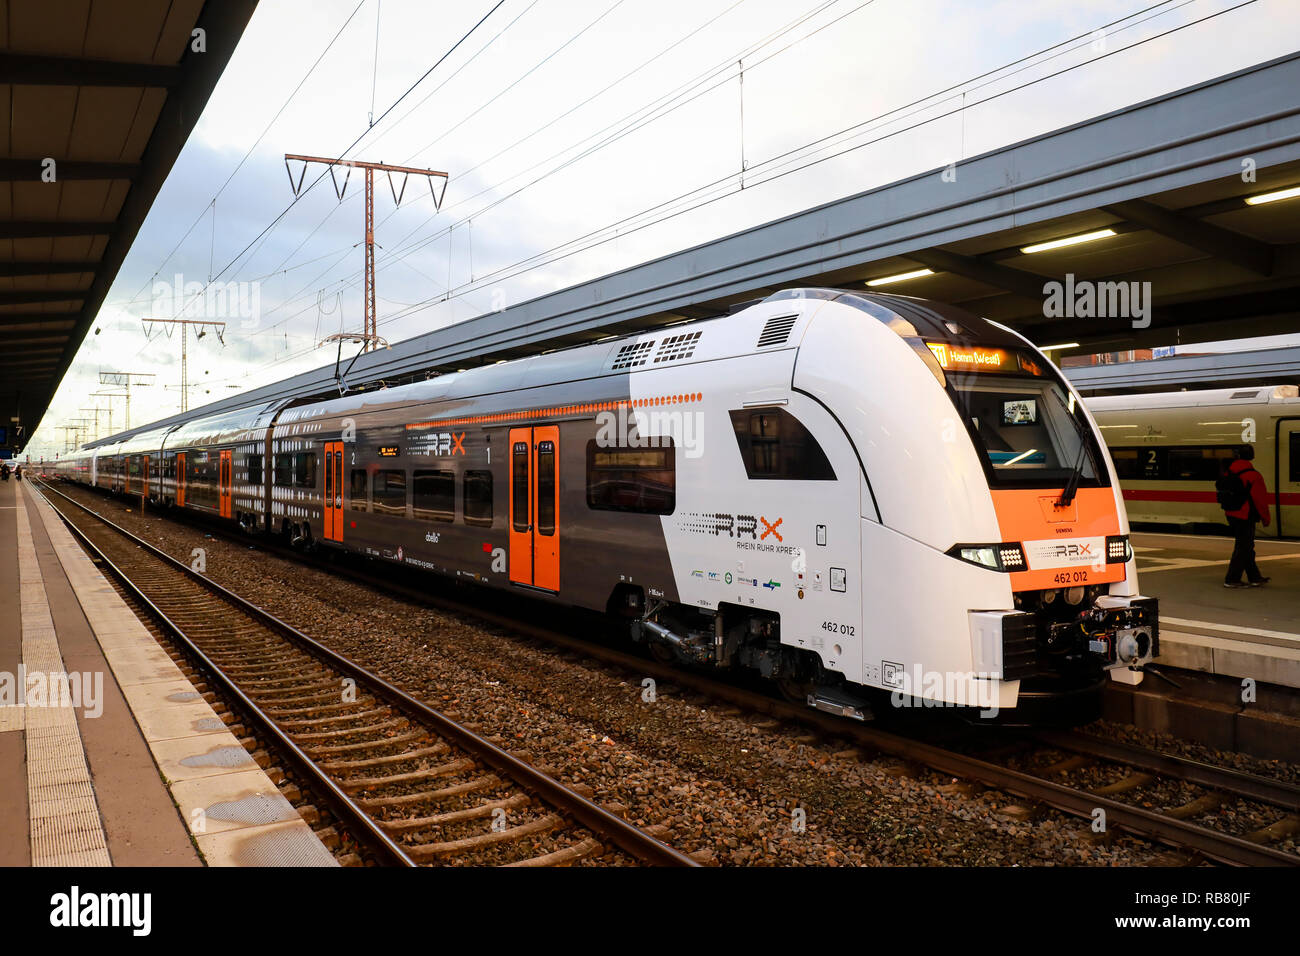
(334, 491)
(180, 480)
(535, 507)
(223, 486)
(546, 496)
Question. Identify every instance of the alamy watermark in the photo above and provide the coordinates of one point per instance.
(651, 428)
(1085, 299)
(81, 690)
(922, 688)
(230, 301)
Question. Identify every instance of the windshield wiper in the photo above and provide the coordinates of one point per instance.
(1072, 486)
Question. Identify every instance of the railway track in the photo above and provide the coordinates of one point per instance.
(1144, 770)
(1171, 827)
(412, 785)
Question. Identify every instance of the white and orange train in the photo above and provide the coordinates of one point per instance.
(1170, 448)
(856, 495)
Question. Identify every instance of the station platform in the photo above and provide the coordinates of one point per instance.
(108, 755)
(1249, 632)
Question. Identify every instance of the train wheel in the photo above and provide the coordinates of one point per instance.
(662, 652)
(794, 689)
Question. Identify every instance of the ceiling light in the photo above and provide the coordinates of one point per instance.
(1057, 348)
(1289, 193)
(885, 280)
(1068, 241)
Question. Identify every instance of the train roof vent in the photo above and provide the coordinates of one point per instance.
(632, 355)
(777, 330)
(1249, 393)
(677, 347)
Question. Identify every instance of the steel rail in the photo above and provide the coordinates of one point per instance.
(343, 805)
(627, 837)
(1239, 783)
(1221, 847)
(1212, 844)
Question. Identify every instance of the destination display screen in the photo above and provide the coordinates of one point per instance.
(388, 451)
(964, 358)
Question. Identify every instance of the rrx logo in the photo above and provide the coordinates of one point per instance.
(1072, 551)
(447, 443)
(737, 526)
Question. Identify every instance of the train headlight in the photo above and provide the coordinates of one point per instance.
(1012, 557)
(995, 557)
(1118, 549)
(987, 556)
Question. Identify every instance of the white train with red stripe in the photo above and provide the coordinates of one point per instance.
(1169, 448)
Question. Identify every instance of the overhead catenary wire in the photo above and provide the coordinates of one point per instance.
(301, 193)
(243, 159)
(627, 225)
(654, 103)
(622, 224)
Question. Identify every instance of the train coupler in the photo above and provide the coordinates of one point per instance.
(1124, 632)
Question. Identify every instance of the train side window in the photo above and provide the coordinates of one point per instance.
(284, 470)
(357, 490)
(546, 487)
(389, 493)
(434, 495)
(254, 463)
(1204, 463)
(1293, 471)
(776, 445)
(642, 480)
(519, 485)
(304, 469)
(477, 495)
(1126, 463)
(1138, 464)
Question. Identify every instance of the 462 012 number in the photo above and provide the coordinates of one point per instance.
(1071, 577)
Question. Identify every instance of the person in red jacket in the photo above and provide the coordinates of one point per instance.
(1241, 521)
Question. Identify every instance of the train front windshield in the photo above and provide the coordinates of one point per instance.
(1025, 423)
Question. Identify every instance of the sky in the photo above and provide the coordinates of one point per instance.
(580, 137)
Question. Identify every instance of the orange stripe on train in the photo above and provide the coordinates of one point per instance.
(584, 409)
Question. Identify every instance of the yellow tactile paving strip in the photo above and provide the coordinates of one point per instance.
(204, 767)
(66, 827)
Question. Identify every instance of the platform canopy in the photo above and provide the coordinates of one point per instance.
(109, 92)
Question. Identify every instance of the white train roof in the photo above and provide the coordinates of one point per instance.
(1250, 395)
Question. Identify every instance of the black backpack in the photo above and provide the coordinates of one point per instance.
(1231, 491)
